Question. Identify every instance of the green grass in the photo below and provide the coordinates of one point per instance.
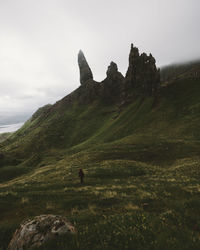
(122, 203)
(141, 167)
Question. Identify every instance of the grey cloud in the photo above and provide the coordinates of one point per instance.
(39, 42)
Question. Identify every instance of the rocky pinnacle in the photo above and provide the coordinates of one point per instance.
(142, 74)
(85, 71)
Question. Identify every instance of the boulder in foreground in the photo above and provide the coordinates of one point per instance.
(34, 233)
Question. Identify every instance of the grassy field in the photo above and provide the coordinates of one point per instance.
(141, 167)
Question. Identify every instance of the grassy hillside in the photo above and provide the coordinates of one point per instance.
(4, 136)
(141, 163)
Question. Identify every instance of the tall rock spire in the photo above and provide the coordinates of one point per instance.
(85, 71)
(142, 74)
(132, 67)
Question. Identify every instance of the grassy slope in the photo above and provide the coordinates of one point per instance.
(142, 172)
(4, 136)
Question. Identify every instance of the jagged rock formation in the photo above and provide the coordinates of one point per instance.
(142, 74)
(113, 74)
(112, 71)
(113, 84)
(85, 71)
(142, 78)
(34, 233)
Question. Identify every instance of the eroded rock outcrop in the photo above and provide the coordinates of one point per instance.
(142, 74)
(85, 71)
(142, 78)
(112, 71)
(112, 85)
(36, 232)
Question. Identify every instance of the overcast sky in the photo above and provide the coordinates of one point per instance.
(40, 40)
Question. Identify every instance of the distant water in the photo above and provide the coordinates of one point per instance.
(10, 127)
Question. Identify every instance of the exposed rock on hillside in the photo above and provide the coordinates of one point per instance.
(85, 71)
(36, 232)
(142, 74)
(142, 78)
(113, 84)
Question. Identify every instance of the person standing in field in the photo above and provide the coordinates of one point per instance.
(81, 175)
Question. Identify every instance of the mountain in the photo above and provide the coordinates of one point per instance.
(136, 137)
(64, 125)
